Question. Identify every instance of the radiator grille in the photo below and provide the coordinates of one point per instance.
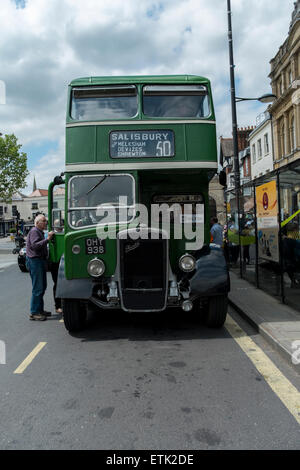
(143, 273)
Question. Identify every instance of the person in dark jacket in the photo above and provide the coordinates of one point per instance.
(216, 232)
(36, 262)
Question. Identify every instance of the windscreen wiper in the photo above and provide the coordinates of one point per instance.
(97, 184)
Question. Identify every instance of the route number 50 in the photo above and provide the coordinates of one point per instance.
(164, 149)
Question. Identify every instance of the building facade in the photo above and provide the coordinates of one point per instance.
(226, 160)
(227, 157)
(261, 146)
(245, 165)
(23, 209)
(216, 200)
(285, 82)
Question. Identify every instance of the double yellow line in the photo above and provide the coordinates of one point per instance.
(280, 385)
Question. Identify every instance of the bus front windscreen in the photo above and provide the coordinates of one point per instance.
(94, 199)
(103, 103)
(176, 101)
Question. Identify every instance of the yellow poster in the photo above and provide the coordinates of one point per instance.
(267, 205)
(267, 221)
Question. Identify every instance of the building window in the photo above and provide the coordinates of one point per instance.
(292, 134)
(246, 167)
(1, 210)
(281, 140)
(14, 210)
(34, 206)
(266, 143)
(259, 149)
(253, 154)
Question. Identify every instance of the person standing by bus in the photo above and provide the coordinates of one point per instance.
(36, 261)
(54, 267)
(216, 232)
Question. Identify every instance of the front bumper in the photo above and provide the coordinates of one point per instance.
(139, 291)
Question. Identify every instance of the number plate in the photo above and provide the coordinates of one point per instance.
(94, 246)
(142, 144)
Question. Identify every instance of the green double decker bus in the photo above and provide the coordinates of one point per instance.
(135, 231)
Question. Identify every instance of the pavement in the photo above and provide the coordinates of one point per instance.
(278, 323)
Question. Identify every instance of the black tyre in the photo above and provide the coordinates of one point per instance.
(217, 311)
(74, 315)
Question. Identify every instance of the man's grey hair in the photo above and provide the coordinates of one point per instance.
(38, 218)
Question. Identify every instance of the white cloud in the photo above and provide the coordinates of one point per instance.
(47, 44)
(50, 165)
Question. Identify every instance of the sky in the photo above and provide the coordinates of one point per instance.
(46, 44)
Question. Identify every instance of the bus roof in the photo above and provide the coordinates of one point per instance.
(85, 81)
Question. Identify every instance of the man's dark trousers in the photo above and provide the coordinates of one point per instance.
(38, 272)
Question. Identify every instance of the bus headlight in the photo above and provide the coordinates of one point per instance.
(96, 267)
(187, 263)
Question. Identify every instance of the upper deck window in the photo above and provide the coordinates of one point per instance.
(176, 101)
(105, 102)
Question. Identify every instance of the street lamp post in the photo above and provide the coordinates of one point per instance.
(236, 166)
(267, 98)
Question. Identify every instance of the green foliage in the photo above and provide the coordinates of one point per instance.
(12, 230)
(13, 167)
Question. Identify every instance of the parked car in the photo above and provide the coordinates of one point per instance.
(22, 260)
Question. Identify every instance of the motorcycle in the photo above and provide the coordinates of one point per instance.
(20, 243)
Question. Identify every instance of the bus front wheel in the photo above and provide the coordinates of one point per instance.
(74, 315)
(217, 311)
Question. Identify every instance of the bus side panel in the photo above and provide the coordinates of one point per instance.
(201, 142)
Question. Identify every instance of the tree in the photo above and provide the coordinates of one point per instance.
(13, 167)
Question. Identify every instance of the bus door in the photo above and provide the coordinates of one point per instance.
(56, 222)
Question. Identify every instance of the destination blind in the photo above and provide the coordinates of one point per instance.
(140, 144)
